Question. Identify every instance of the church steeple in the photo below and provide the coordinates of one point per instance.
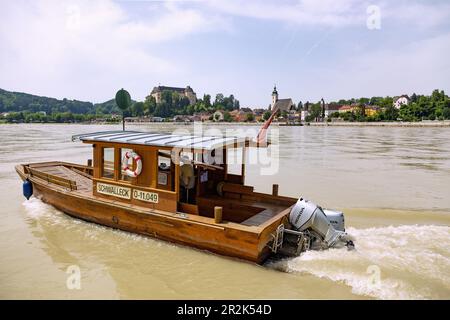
(274, 96)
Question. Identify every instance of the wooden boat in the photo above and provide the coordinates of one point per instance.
(178, 188)
(171, 187)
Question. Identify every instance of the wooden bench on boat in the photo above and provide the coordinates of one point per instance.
(52, 178)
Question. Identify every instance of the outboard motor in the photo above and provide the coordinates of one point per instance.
(317, 228)
(336, 219)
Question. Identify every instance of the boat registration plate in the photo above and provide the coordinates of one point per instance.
(145, 196)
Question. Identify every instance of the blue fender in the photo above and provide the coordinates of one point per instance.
(27, 189)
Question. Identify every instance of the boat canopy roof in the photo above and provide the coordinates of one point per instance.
(162, 139)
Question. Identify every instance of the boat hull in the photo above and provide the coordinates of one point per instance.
(220, 239)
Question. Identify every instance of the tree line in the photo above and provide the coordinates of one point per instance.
(57, 117)
(23, 107)
(420, 107)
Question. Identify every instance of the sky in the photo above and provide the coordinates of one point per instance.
(311, 49)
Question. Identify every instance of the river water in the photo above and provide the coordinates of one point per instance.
(392, 183)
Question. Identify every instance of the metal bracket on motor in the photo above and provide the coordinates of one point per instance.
(302, 243)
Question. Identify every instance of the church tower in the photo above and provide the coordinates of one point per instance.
(274, 96)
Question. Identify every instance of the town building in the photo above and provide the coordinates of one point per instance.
(369, 110)
(402, 100)
(240, 115)
(282, 104)
(349, 108)
(156, 119)
(331, 108)
(186, 92)
(218, 115)
(259, 111)
(181, 118)
(200, 116)
(304, 112)
(259, 114)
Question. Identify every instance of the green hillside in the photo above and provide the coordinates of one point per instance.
(22, 102)
(24, 107)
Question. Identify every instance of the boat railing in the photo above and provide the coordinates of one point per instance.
(51, 178)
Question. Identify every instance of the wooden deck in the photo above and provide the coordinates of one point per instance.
(258, 211)
(263, 216)
(82, 181)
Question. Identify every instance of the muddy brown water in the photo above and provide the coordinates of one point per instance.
(392, 183)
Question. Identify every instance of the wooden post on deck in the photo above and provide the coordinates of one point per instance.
(89, 163)
(275, 190)
(243, 165)
(177, 178)
(218, 214)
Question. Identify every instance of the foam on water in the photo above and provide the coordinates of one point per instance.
(410, 259)
(35, 208)
(388, 263)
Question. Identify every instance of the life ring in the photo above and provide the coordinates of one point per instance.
(125, 167)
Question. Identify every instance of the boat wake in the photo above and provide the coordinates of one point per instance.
(402, 262)
(35, 208)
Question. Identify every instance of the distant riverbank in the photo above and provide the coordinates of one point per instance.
(445, 123)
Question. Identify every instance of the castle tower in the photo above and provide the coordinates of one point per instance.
(274, 96)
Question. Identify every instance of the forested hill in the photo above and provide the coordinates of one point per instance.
(24, 102)
(108, 107)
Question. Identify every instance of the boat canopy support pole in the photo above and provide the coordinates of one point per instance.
(244, 150)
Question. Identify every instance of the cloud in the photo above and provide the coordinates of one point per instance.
(331, 13)
(419, 67)
(304, 12)
(416, 14)
(176, 24)
(87, 48)
(408, 54)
